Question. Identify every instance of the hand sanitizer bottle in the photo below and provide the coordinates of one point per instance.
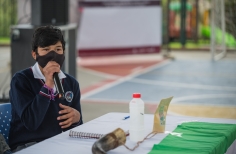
(136, 109)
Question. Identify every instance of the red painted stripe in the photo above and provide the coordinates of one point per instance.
(119, 51)
(101, 84)
(120, 69)
(116, 3)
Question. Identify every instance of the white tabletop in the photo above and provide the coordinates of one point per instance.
(63, 144)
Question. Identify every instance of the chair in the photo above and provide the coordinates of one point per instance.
(5, 119)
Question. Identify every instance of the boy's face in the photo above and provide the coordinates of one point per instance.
(56, 47)
(44, 50)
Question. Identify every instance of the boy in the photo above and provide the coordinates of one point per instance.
(37, 111)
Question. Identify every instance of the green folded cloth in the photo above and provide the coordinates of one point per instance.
(197, 138)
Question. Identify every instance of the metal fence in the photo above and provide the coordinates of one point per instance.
(8, 16)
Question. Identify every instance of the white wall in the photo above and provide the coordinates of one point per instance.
(116, 27)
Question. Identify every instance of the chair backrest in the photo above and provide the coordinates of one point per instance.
(5, 119)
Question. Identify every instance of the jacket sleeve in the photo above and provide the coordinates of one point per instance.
(30, 107)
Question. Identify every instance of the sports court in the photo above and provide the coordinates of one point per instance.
(200, 87)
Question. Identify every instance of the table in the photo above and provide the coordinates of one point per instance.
(62, 143)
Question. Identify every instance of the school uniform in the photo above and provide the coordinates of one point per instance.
(35, 108)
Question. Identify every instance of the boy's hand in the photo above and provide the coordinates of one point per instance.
(48, 72)
(70, 115)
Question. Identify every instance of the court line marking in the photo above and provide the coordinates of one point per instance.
(117, 59)
(183, 85)
(204, 96)
(123, 79)
(98, 73)
(136, 69)
(193, 74)
(177, 100)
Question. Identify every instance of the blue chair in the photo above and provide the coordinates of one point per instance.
(5, 119)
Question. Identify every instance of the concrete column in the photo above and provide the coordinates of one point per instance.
(24, 11)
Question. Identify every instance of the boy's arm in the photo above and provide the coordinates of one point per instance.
(29, 107)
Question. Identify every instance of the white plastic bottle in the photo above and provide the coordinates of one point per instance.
(136, 110)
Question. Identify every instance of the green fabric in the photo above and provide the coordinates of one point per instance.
(197, 138)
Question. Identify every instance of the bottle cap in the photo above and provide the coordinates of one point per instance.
(136, 95)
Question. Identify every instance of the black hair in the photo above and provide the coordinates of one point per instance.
(45, 36)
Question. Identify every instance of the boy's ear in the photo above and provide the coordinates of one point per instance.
(33, 54)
